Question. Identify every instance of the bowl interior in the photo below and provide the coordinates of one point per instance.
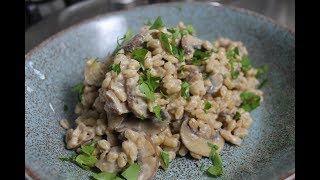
(58, 64)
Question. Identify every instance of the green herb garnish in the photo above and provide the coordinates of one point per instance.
(163, 95)
(86, 160)
(80, 89)
(148, 85)
(185, 87)
(157, 23)
(88, 149)
(216, 169)
(165, 158)
(237, 116)
(246, 64)
(191, 30)
(202, 168)
(234, 74)
(104, 176)
(148, 23)
(250, 101)
(65, 159)
(156, 110)
(207, 106)
(164, 39)
(263, 69)
(140, 55)
(199, 56)
(127, 36)
(263, 83)
(231, 54)
(132, 172)
(116, 68)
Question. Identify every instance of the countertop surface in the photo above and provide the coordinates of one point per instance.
(282, 11)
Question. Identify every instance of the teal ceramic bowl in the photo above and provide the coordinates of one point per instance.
(58, 63)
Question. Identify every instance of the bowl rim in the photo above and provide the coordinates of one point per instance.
(31, 175)
(170, 4)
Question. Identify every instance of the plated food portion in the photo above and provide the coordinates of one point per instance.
(163, 93)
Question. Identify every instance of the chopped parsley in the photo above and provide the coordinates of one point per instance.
(116, 68)
(199, 56)
(148, 23)
(132, 172)
(104, 176)
(88, 149)
(202, 168)
(78, 88)
(207, 106)
(216, 169)
(263, 83)
(165, 158)
(128, 35)
(140, 55)
(191, 30)
(163, 95)
(157, 110)
(157, 23)
(148, 85)
(237, 116)
(86, 160)
(245, 64)
(263, 69)
(185, 87)
(231, 54)
(250, 101)
(65, 108)
(234, 74)
(164, 39)
(65, 159)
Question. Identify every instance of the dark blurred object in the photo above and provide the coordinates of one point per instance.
(32, 14)
(70, 2)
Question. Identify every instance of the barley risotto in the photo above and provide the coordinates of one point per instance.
(163, 93)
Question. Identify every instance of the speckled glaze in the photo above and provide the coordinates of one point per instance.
(58, 63)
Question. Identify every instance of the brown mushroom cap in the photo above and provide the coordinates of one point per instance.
(198, 144)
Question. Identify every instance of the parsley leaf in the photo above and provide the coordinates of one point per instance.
(140, 55)
(157, 23)
(207, 106)
(246, 64)
(190, 29)
(250, 101)
(127, 36)
(263, 69)
(86, 160)
(165, 158)
(144, 88)
(148, 85)
(263, 83)
(185, 90)
(104, 176)
(231, 54)
(202, 168)
(78, 88)
(164, 39)
(88, 149)
(234, 74)
(148, 23)
(65, 108)
(237, 116)
(156, 110)
(116, 68)
(199, 56)
(132, 172)
(216, 168)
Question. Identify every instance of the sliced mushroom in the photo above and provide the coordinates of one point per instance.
(113, 103)
(189, 43)
(114, 120)
(106, 166)
(216, 83)
(135, 42)
(137, 104)
(198, 144)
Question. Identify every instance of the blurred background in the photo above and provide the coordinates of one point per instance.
(44, 18)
